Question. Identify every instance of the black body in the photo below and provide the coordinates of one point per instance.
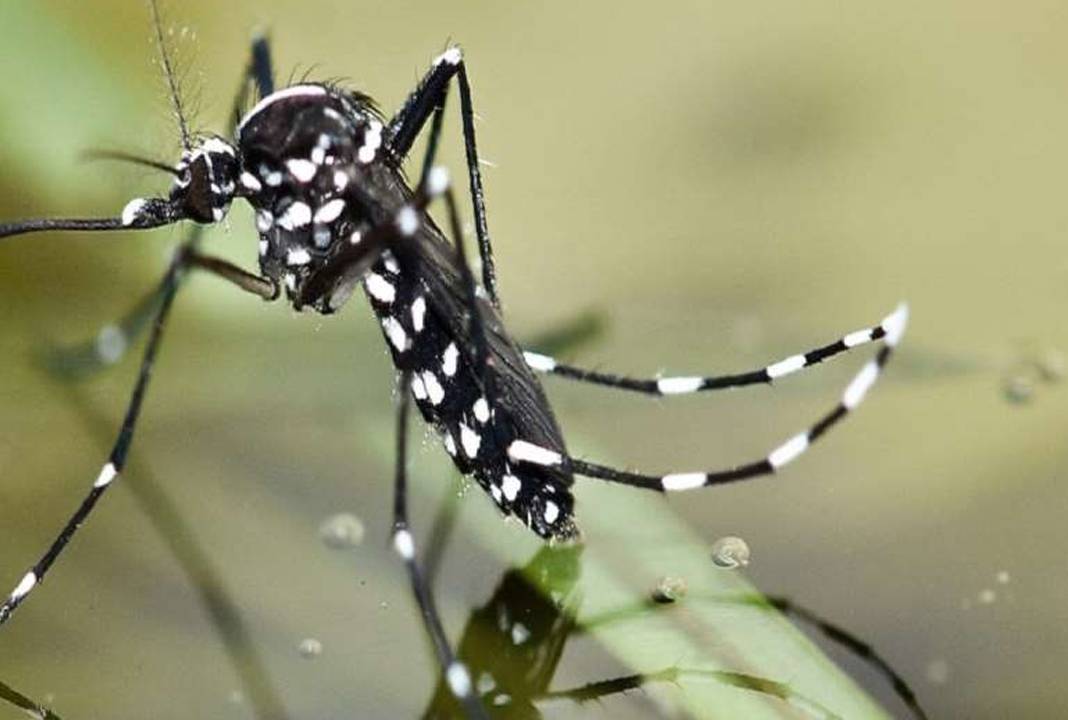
(304, 150)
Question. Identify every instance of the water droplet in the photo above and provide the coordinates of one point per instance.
(669, 589)
(341, 531)
(937, 672)
(486, 683)
(1051, 366)
(1018, 389)
(987, 596)
(310, 648)
(1002, 577)
(730, 552)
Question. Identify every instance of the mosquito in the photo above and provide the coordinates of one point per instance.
(322, 169)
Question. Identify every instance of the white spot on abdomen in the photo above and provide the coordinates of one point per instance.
(296, 215)
(396, 333)
(481, 410)
(298, 256)
(511, 485)
(380, 288)
(449, 360)
(470, 440)
(434, 391)
(418, 313)
(329, 212)
(302, 170)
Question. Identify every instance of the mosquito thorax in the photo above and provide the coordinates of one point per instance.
(301, 149)
(205, 180)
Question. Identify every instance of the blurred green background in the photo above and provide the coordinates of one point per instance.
(728, 183)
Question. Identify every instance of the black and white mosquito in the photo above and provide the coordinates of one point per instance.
(322, 170)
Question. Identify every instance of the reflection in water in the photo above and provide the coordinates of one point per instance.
(33, 709)
(513, 643)
(195, 562)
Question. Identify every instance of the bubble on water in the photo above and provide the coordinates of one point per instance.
(730, 552)
(937, 672)
(341, 531)
(987, 596)
(1051, 366)
(1002, 577)
(1018, 388)
(669, 589)
(486, 683)
(310, 648)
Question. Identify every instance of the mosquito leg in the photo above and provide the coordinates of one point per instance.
(116, 460)
(258, 72)
(456, 673)
(426, 100)
(522, 451)
(692, 384)
(31, 707)
(852, 643)
(672, 675)
(837, 634)
(264, 287)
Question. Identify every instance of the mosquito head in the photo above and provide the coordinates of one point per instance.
(206, 180)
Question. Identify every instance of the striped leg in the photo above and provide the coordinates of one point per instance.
(523, 451)
(456, 673)
(852, 643)
(428, 101)
(30, 707)
(116, 459)
(692, 384)
(183, 260)
(258, 72)
(835, 633)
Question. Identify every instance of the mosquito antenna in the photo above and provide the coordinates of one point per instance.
(168, 72)
(121, 156)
